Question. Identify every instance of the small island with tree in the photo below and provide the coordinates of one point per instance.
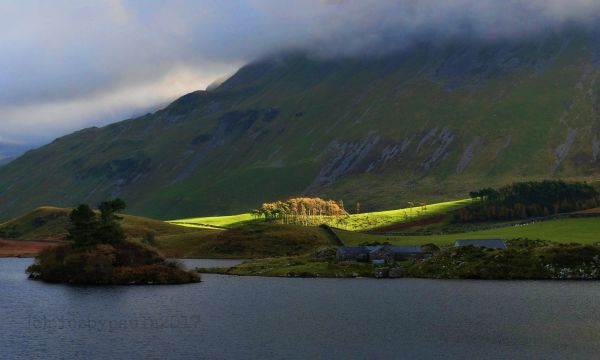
(100, 254)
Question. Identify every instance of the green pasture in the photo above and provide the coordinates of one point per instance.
(354, 222)
(575, 230)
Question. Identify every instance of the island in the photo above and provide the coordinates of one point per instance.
(99, 254)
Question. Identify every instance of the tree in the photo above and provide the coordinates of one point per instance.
(530, 199)
(110, 230)
(109, 208)
(411, 205)
(84, 226)
(304, 211)
(86, 229)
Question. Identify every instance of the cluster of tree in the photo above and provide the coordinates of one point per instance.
(88, 228)
(529, 199)
(303, 211)
(99, 254)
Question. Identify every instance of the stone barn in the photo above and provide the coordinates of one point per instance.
(352, 253)
(391, 254)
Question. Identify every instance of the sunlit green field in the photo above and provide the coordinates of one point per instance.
(373, 220)
(355, 222)
(215, 221)
(579, 230)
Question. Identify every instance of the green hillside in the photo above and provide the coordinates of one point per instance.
(566, 231)
(382, 219)
(354, 222)
(428, 124)
(215, 221)
(51, 223)
(245, 241)
(248, 241)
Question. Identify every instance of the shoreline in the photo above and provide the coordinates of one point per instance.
(10, 248)
(224, 272)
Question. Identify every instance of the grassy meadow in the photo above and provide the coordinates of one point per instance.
(51, 223)
(374, 220)
(355, 222)
(257, 240)
(215, 221)
(575, 230)
(244, 236)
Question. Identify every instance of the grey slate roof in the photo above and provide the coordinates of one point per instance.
(373, 248)
(406, 249)
(359, 250)
(485, 243)
(353, 250)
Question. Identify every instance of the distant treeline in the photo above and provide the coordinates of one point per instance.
(303, 211)
(529, 199)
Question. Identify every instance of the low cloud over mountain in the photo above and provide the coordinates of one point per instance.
(68, 65)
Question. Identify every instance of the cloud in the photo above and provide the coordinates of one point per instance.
(70, 64)
(38, 120)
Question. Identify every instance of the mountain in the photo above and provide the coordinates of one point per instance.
(9, 152)
(430, 123)
(5, 159)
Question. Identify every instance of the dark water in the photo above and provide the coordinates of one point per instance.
(262, 318)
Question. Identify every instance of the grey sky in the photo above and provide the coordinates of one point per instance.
(68, 64)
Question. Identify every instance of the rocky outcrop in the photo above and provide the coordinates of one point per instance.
(343, 159)
(389, 153)
(437, 140)
(468, 154)
(562, 151)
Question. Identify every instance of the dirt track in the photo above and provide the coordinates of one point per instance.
(589, 211)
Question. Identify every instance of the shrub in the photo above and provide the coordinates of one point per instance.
(149, 239)
(125, 263)
(538, 261)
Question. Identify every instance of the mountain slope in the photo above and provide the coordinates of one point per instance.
(427, 124)
(9, 152)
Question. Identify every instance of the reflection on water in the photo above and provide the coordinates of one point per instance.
(227, 317)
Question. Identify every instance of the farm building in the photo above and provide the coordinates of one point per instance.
(352, 253)
(387, 253)
(484, 243)
(397, 253)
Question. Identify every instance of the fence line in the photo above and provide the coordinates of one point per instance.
(332, 232)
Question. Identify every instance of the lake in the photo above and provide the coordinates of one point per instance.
(227, 317)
